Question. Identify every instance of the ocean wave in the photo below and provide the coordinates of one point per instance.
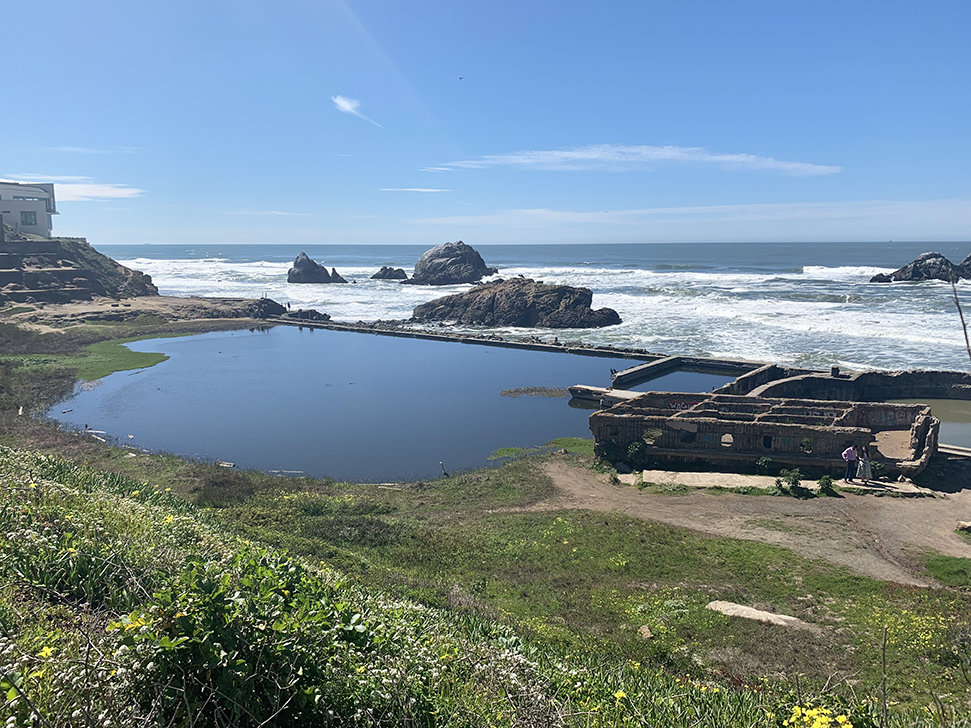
(808, 315)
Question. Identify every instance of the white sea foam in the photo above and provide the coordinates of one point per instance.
(816, 315)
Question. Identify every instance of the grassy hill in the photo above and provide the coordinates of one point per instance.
(151, 591)
(124, 603)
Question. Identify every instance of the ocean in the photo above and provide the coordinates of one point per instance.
(807, 304)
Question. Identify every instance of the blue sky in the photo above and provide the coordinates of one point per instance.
(345, 121)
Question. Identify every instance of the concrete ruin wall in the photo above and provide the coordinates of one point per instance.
(760, 377)
(871, 386)
(734, 430)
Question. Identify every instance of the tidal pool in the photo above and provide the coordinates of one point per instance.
(344, 405)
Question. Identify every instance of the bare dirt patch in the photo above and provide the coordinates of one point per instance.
(49, 317)
(872, 536)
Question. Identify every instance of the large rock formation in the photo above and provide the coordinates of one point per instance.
(519, 302)
(927, 267)
(390, 274)
(305, 270)
(58, 270)
(448, 264)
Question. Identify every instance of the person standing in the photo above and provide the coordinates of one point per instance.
(850, 456)
(863, 470)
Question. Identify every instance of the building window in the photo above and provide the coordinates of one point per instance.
(28, 217)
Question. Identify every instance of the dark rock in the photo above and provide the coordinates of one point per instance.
(925, 267)
(305, 270)
(306, 315)
(519, 302)
(390, 274)
(965, 267)
(448, 264)
(261, 308)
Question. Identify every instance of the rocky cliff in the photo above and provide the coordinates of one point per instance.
(519, 302)
(64, 269)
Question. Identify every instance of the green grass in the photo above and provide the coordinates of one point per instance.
(575, 445)
(950, 570)
(589, 581)
(507, 452)
(103, 572)
(106, 357)
(665, 488)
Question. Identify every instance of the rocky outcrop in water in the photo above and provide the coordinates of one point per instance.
(928, 267)
(390, 274)
(519, 302)
(448, 264)
(305, 270)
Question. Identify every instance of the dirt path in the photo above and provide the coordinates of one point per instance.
(877, 537)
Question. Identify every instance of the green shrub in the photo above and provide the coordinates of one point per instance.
(763, 466)
(788, 479)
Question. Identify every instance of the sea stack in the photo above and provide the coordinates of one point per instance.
(305, 270)
(390, 274)
(928, 267)
(448, 264)
(519, 302)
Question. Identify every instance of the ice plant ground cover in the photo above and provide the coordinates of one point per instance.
(124, 605)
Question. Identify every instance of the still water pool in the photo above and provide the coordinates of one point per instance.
(349, 406)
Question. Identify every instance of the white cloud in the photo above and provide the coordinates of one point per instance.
(412, 189)
(436, 169)
(351, 106)
(616, 156)
(83, 192)
(71, 188)
(797, 221)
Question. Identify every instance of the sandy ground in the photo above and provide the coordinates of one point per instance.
(874, 536)
(53, 316)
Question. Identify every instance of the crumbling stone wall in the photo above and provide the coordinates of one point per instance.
(871, 386)
(725, 429)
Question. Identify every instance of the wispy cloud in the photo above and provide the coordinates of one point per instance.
(91, 150)
(84, 192)
(436, 169)
(821, 221)
(72, 188)
(615, 156)
(351, 106)
(412, 189)
(279, 213)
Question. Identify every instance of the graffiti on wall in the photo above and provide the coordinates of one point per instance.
(878, 418)
(681, 403)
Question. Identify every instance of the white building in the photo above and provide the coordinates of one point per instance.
(28, 208)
